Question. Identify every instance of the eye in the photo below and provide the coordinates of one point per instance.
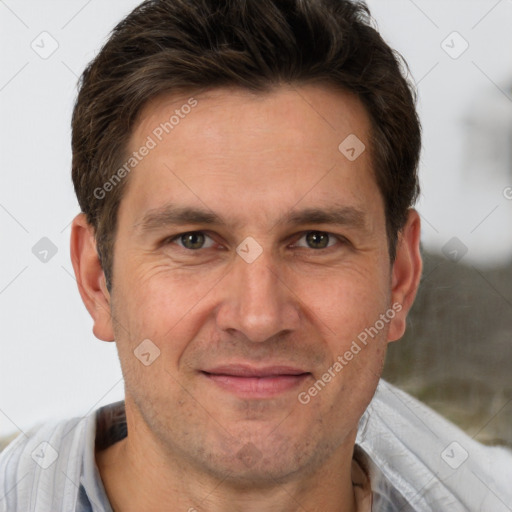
(192, 240)
(318, 240)
(195, 240)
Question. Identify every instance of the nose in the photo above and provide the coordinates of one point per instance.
(258, 302)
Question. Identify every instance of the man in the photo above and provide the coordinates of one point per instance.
(246, 171)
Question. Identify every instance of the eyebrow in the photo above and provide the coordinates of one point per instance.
(172, 215)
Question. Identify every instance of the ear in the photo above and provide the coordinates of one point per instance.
(90, 277)
(406, 274)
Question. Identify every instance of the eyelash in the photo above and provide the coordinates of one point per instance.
(339, 238)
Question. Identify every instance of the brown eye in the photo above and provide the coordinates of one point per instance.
(192, 240)
(317, 239)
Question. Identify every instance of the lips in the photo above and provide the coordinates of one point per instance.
(251, 371)
(252, 382)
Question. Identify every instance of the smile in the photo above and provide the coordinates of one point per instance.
(248, 382)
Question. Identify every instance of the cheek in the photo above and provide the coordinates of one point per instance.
(161, 304)
(345, 302)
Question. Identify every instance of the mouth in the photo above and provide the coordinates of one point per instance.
(251, 382)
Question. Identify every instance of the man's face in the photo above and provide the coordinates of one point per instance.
(223, 320)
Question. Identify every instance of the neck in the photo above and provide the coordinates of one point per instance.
(141, 472)
(138, 476)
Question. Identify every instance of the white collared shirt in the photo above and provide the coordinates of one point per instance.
(416, 461)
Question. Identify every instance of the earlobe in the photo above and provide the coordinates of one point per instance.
(406, 273)
(90, 277)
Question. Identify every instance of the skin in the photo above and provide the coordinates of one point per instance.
(250, 159)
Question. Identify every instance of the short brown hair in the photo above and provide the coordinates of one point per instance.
(167, 46)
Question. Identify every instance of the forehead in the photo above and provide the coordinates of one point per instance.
(323, 106)
(234, 147)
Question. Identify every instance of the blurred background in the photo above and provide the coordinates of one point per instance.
(457, 353)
